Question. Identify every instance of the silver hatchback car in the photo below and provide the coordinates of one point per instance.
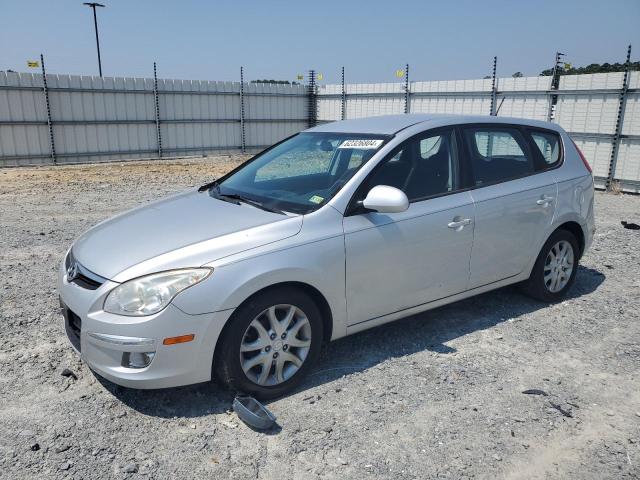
(335, 230)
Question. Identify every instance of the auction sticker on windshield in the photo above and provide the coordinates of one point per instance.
(362, 143)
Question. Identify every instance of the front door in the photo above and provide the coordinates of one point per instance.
(401, 260)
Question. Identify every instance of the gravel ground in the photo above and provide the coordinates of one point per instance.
(437, 395)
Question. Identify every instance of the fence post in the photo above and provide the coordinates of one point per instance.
(406, 88)
(555, 85)
(492, 110)
(313, 107)
(242, 137)
(157, 104)
(343, 113)
(622, 102)
(45, 90)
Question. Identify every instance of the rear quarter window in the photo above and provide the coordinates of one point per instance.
(549, 146)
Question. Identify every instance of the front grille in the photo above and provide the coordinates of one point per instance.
(83, 278)
(72, 325)
(86, 282)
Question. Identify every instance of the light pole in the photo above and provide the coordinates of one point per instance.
(95, 24)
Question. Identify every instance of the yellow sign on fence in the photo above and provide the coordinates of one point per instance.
(300, 77)
(319, 77)
(399, 73)
(33, 63)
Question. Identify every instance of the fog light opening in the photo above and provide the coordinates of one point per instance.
(137, 359)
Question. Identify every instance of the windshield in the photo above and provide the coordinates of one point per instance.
(302, 173)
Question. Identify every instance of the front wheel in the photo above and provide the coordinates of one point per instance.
(555, 269)
(271, 343)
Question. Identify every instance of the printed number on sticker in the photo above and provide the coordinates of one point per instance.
(362, 143)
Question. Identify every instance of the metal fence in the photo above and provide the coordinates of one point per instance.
(600, 111)
(72, 119)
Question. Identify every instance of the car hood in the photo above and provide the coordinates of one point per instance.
(188, 229)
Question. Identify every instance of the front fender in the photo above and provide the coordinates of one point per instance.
(319, 264)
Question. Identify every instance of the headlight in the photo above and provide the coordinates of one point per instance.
(152, 293)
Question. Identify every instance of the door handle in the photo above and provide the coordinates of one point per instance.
(545, 200)
(458, 224)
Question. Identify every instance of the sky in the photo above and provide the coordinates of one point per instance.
(277, 39)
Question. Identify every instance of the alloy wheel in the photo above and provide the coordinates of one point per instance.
(558, 266)
(275, 345)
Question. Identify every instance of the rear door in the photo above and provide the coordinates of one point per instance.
(514, 200)
(396, 261)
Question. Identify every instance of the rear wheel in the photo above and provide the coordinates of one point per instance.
(272, 341)
(555, 269)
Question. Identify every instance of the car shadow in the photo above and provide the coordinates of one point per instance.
(429, 330)
(433, 329)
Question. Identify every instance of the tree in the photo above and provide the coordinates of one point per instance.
(567, 69)
(517, 75)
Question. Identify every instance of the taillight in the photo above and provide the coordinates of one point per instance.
(584, 160)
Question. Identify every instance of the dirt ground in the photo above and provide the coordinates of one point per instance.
(437, 395)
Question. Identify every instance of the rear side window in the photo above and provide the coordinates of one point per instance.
(549, 146)
(497, 154)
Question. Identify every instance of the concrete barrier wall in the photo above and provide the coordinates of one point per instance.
(97, 119)
(587, 107)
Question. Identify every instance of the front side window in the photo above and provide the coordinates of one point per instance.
(497, 154)
(302, 173)
(422, 167)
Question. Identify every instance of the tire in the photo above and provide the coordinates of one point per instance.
(243, 331)
(546, 290)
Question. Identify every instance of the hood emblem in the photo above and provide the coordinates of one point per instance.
(72, 271)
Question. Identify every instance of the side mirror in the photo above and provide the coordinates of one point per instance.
(386, 199)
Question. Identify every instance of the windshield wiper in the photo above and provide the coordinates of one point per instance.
(214, 190)
(208, 186)
(248, 201)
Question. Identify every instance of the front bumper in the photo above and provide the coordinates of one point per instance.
(103, 339)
